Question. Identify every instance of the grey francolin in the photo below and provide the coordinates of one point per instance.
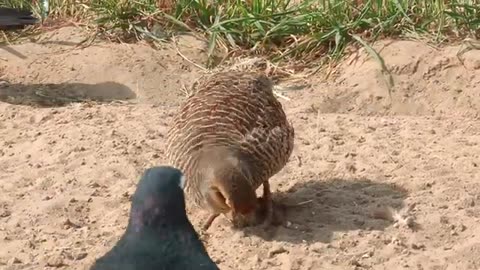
(229, 137)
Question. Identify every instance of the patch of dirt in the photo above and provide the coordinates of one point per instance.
(427, 81)
(67, 170)
(157, 76)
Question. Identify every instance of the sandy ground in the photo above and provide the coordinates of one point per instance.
(67, 170)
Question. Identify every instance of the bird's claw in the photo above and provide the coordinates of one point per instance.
(209, 221)
(268, 205)
(268, 214)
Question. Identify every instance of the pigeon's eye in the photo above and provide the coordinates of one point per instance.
(182, 182)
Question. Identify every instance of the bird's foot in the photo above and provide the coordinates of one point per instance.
(277, 215)
(268, 204)
(267, 222)
(241, 221)
(209, 221)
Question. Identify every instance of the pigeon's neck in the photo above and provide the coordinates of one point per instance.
(156, 220)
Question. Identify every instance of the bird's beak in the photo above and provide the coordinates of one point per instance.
(228, 203)
(182, 182)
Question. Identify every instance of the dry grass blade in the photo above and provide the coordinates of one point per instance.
(387, 75)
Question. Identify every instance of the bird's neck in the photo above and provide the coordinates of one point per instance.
(154, 220)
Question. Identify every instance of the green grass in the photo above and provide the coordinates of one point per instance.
(280, 29)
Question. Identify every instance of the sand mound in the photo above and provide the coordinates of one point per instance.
(427, 81)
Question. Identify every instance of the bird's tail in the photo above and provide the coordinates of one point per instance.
(11, 18)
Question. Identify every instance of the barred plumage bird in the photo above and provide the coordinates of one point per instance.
(229, 137)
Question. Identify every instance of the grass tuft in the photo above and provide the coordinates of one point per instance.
(283, 30)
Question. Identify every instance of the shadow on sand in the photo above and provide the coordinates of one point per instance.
(56, 95)
(335, 205)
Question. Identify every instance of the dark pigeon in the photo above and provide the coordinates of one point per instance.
(13, 19)
(159, 235)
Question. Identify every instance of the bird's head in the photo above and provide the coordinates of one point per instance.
(225, 180)
(233, 193)
(229, 189)
(159, 198)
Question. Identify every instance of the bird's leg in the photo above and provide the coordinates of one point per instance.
(209, 221)
(267, 195)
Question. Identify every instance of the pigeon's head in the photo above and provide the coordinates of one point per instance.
(159, 198)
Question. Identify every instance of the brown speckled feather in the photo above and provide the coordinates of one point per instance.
(236, 110)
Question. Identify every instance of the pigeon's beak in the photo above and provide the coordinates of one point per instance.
(182, 182)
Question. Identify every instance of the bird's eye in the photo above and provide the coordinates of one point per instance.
(182, 182)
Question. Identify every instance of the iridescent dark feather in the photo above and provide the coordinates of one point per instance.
(12, 19)
(159, 235)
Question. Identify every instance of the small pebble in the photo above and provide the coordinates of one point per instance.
(277, 249)
(355, 262)
(418, 246)
(5, 213)
(80, 256)
(55, 261)
(367, 255)
(443, 220)
(255, 259)
(316, 247)
(14, 260)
